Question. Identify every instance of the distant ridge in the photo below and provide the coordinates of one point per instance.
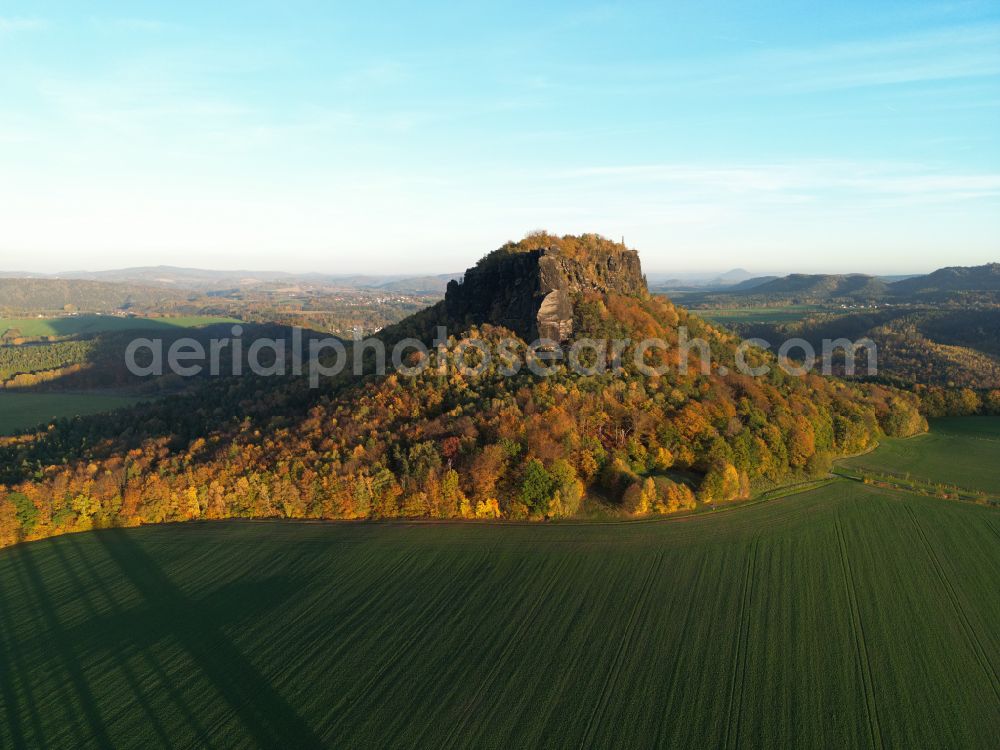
(984, 278)
(856, 286)
(752, 283)
(202, 280)
(819, 288)
(93, 296)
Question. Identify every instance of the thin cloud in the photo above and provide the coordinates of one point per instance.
(799, 181)
(963, 52)
(133, 24)
(20, 24)
(959, 52)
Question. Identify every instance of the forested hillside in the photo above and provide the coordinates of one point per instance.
(450, 444)
(956, 285)
(56, 295)
(950, 357)
(820, 286)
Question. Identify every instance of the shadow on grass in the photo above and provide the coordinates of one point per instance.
(110, 631)
(265, 715)
(60, 641)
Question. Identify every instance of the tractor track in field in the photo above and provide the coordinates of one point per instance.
(619, 659)
(689, 617)
(994, 529)
(13, 662)
(861, 646)
(45, 619)
(121, 663)
(387, 660)
(737, 681)
(359, 612)
(963, 616)
(512, 643)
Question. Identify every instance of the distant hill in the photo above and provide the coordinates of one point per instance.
(820, 288)
(952, 279)
(421, 284)
(182, 278)
(703, 280)
(209, 280)
(39, 295)
(916, 344)
(752, 283)
(735, 276)
(825, 286)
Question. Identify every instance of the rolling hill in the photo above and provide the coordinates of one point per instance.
(802, 288)
(17, 294)
(984, 278)
(818, 287)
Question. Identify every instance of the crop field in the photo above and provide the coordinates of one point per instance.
(785, 314)
(19, 411)
(963, 452)
(847, 616)
(89, 324)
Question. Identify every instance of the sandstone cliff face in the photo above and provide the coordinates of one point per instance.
(532, 292)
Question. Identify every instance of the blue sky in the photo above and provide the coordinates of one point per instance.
(412, 137)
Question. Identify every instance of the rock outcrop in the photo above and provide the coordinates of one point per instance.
(531, 292)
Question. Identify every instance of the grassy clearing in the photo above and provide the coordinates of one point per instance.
(90, 324)
(19, 411)
(960, 452)
(840, 617)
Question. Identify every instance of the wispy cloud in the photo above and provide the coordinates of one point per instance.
(800, 181)
(20, 24)
(133, 24)
(124, 106)
(378, 74)
(961, 52)
(947, 54)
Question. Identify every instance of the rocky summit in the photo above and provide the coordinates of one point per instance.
(530, 289)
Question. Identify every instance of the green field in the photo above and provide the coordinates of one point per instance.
(845, 617)
(90, 324)
(785, 314)
(962, 452)
(981, 427)
(19, 411)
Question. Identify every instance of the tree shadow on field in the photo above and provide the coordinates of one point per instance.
(58, 639)
(13, 679)
(264, 714)
(110, 632)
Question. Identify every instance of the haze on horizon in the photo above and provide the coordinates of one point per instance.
(786, 137)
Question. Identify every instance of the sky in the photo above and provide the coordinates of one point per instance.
(415, 137)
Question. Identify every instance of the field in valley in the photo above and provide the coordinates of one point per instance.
(847, 616)
(777, 314)
(25, 366)
(22, 410)
(77, 325)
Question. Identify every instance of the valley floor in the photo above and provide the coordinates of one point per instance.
(21, 410)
